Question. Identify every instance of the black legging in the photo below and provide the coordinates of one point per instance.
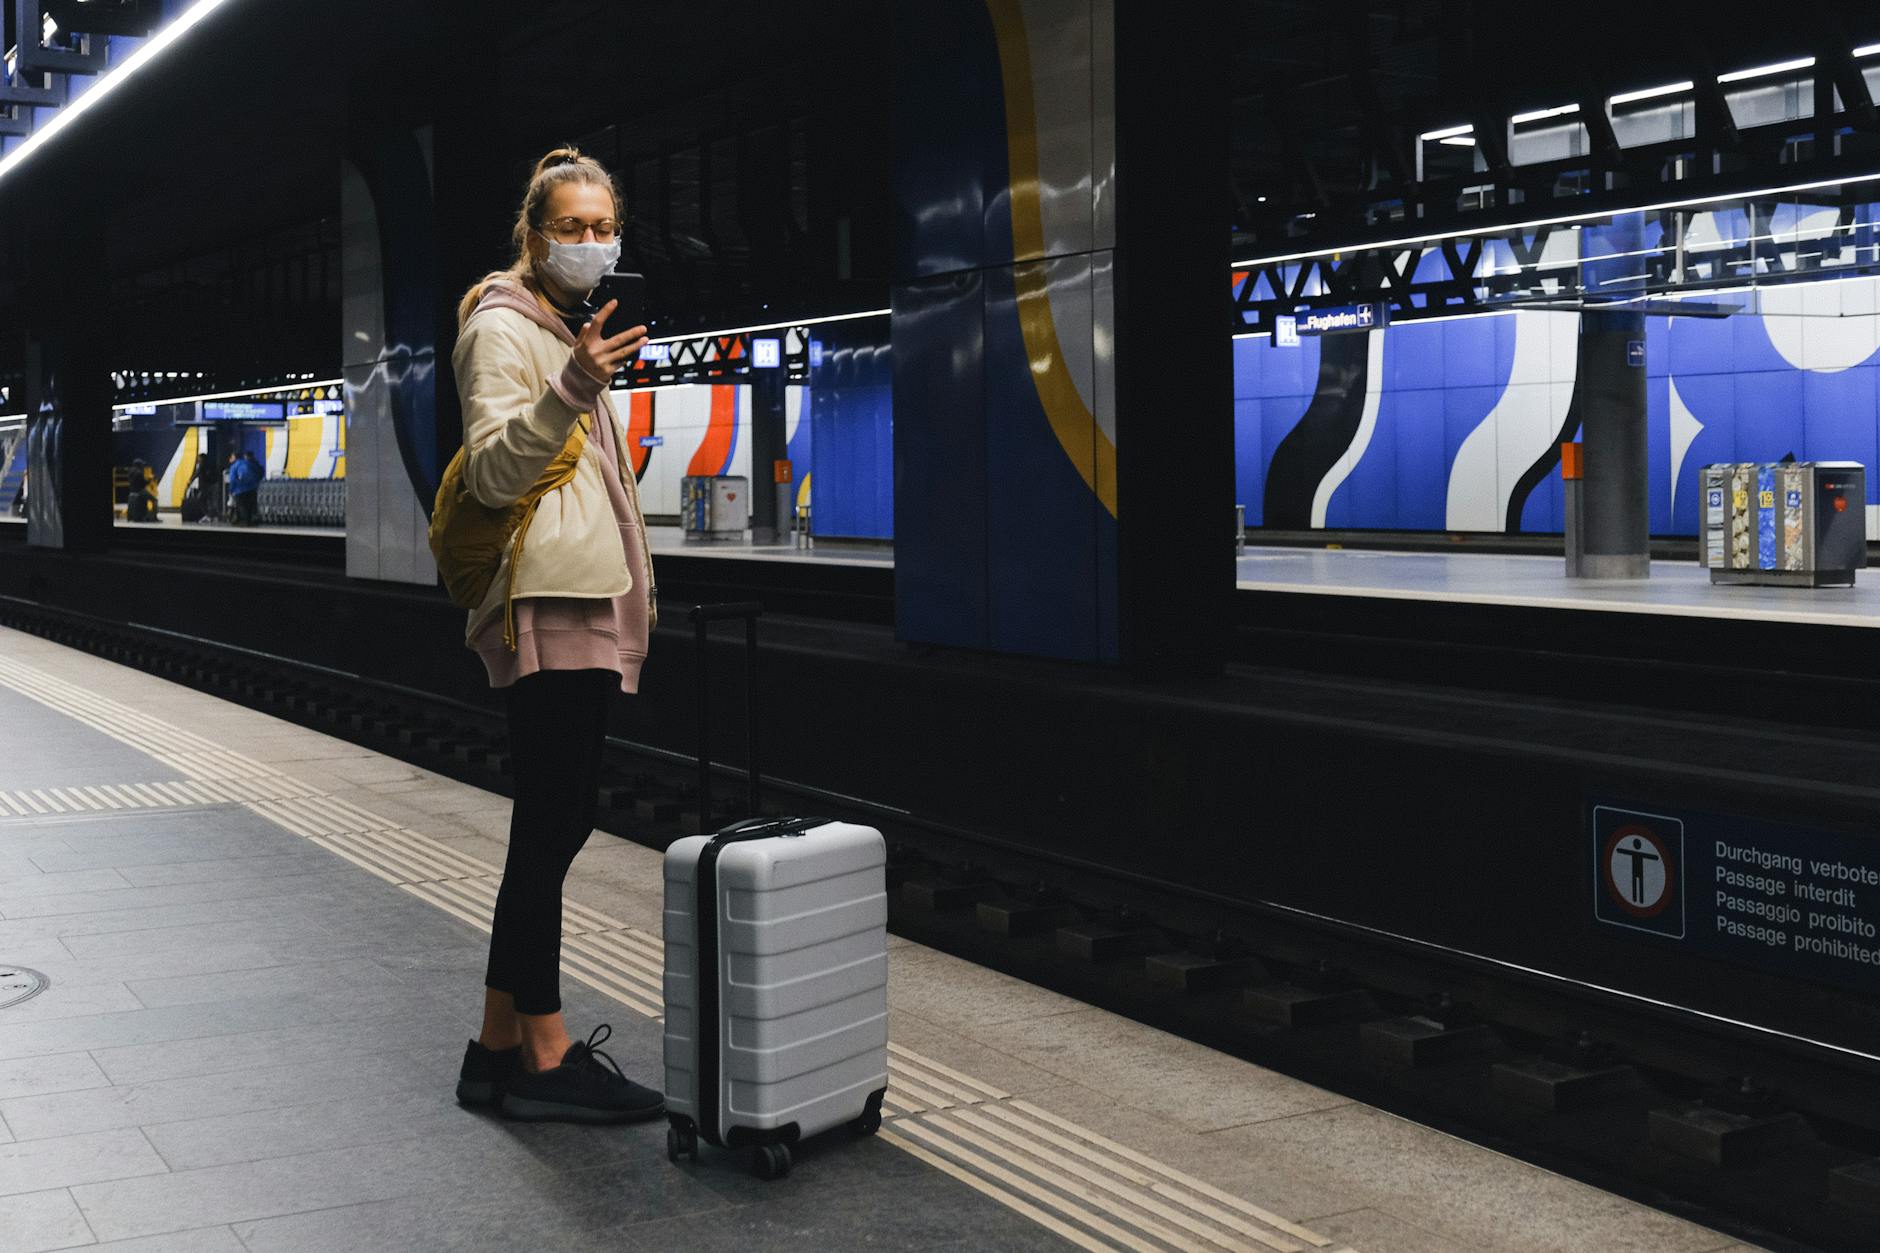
(557, 721)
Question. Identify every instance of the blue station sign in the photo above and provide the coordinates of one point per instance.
(1342, 319)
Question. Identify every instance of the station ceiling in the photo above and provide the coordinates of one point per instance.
(1330, 99)
(755, 141)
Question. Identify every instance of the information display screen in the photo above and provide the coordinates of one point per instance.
(243, 411)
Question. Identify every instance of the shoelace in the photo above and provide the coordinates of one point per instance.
(590, 1051)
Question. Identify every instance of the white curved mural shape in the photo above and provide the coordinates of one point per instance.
(1519, 429)
(182, 467)
(326, 462)
(1685, 428)
(274, 438)
(1367, 428)
(682, 420)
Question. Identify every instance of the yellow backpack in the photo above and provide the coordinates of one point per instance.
(468, 537)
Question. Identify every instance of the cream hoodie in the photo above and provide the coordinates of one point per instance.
(585, 596)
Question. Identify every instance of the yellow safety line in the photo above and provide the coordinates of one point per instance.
(1175, 1176)
(1049, 1222)
(924, 1133)
(1013, 1131)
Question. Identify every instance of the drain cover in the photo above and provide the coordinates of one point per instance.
(17, 984)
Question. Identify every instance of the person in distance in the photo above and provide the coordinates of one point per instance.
(566, 620)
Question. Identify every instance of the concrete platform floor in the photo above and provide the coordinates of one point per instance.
(169, 520)
(671, 539)
(265, 950)
(1677, 588)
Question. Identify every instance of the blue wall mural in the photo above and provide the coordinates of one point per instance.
(845, 437)
(1450, 415)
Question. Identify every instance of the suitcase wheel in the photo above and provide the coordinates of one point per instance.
(770, 1161)
(681, 1142)
(870, 1120)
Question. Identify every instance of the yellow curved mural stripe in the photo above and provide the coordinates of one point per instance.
(184, 467)
(1083, 441)
(303, 445)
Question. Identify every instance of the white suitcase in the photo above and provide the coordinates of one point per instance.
(786, 1033)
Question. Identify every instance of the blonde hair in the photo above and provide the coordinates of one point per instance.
(563, 165)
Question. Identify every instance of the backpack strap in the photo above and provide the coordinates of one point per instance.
(560, 472)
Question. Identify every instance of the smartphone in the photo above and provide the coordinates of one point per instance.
(630, 291)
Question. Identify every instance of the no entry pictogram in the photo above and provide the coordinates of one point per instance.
(1638, 871)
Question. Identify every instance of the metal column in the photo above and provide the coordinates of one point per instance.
(1615, 531)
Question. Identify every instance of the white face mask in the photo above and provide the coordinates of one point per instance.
(578, 267)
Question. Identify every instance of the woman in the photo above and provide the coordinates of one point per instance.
(531, 370)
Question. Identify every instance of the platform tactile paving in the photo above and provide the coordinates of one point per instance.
(1085, 1188)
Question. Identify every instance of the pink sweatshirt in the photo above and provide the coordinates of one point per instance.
(568, 632)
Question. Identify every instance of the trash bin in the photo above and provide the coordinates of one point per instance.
(715, 507)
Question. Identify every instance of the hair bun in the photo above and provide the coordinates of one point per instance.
(560, 156)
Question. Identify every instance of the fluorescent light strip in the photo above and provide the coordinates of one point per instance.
(1449, 132)
(251, 391)
(1764, 71)
(1541, 115)
(110, 81)
(1663, 250)
(1594, 216)
(1698, 293)
(1458, 141)
(1867, 50)
(772, 326)
(1795, 236)
(1652, 93)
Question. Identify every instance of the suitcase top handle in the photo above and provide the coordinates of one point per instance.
(759, 828)
(730, 609)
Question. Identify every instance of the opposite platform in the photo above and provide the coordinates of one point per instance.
(265, 948)
(1678, 589)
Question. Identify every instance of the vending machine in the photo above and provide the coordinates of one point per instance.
(1799, 523)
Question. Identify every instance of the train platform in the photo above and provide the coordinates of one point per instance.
(1679, 589)
(169, 520)
(257, 950)
(671, 541)
(1514, 581)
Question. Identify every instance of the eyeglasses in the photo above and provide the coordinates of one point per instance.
(573, 230)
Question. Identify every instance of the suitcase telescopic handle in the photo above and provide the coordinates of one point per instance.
(702, 618)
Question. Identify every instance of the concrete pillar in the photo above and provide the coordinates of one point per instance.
(1615, 538)
(1615, 542)
(389, 311)
(68, 394)
(769, 432)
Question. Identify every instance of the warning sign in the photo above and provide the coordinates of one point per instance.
(1640, 870)
(1790, 899)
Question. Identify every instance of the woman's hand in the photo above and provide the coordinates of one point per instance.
(599, 356)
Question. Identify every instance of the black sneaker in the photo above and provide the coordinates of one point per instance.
(586, 1087)
(484, 1073)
